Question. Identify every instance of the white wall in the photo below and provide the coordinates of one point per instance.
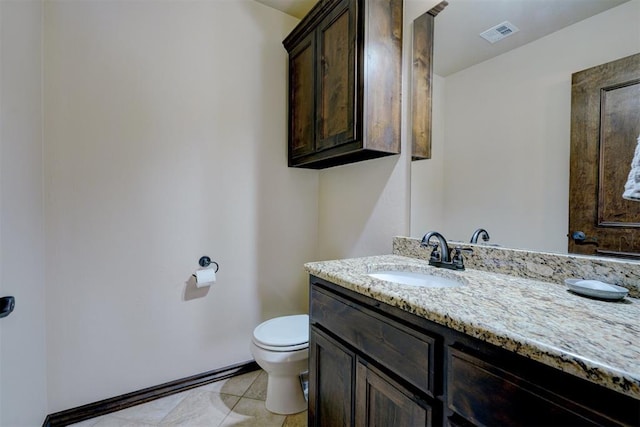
(507, 133)
(428, 178)
(23, 400)
(361, 207)
(165, 140)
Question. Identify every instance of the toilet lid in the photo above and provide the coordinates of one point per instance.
(285, 331)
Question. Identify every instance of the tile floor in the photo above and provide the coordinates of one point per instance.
(237, 401)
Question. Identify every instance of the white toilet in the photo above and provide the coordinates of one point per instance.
(281, 347)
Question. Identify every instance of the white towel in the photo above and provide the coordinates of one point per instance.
(632, 187)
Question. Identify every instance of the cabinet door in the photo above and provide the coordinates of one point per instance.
(331, 378)
(336, 88)
(382, 402)
(301, 101)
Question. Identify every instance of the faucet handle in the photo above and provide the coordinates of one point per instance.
(435, 253)
(458, 259)
(459, 249)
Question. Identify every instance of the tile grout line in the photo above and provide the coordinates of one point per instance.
(230, 411)
(187, 393)
(239, 399)
(252, 383)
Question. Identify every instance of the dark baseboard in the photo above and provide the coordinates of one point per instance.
(81, 413)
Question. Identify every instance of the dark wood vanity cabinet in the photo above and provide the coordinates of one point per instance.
(381, 401)
(481, 390)
(373, 364)
(345, 83)
(333, 377)
(350, 366)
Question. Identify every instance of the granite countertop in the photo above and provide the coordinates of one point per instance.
(591, 339)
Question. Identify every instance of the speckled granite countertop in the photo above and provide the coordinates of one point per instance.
(592, 339)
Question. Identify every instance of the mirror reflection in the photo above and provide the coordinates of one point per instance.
(502, 116)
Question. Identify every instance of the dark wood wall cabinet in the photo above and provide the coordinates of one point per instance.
(371, 364)
(345, 78)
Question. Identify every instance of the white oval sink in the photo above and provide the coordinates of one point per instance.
(412, 278)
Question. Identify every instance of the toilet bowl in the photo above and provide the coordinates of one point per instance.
(280, 346)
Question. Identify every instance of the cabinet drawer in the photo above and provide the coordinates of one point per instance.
(400, 349)
(487, 395)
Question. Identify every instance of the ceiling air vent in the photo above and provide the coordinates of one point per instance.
(500, 31)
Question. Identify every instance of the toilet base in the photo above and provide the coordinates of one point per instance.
(284, 395)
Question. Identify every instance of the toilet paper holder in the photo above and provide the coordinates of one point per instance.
(205, 261)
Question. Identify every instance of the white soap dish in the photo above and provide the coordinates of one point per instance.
(596, 289)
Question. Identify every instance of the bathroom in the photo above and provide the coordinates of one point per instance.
(139, 136)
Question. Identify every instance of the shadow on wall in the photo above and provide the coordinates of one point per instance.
(286, 198)
(192, 291)
(359, 213)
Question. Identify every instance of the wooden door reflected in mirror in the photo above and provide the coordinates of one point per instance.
(605, 126)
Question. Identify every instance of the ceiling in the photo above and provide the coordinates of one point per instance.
(457, 44)
(457, 41)
(296, 8)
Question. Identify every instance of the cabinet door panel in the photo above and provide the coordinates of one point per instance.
(382, 69)
(302, 110)
(382, 402)
(331, 378)
(335, 123)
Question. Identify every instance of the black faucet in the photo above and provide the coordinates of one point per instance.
(440, 256)
(436, 256)
(480, 232)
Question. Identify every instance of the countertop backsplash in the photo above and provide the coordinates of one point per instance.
(543, 266)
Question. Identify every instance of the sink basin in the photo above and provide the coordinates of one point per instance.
(413, 278)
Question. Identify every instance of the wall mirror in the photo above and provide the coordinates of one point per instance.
(502, 116)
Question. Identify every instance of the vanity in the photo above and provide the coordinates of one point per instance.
(504, 348)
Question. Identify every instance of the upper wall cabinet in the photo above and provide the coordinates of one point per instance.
(345, 78)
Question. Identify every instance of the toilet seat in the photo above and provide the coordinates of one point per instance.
(285, 333)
